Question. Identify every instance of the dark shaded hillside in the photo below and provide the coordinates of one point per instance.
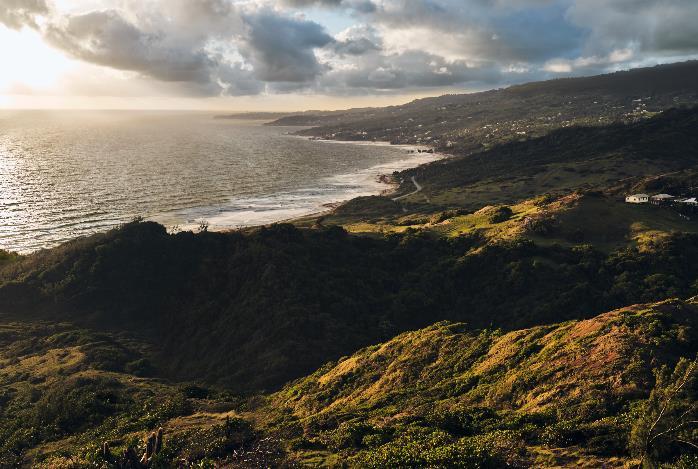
(592, 157)
(253, 311)
(462, 124)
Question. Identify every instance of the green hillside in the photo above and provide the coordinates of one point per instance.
(462, 124)
(446, 396)
(653, 155)
(252, 311)
(582, 393)
(462, 324)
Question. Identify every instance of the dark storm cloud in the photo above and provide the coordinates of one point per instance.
(653, 26)
(18, 13)
(281, 49)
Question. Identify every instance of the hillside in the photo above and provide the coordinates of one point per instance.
(503, 307)
(612, 159)
(461, 124)
(562, 394)
(251, 311)
(580, 393)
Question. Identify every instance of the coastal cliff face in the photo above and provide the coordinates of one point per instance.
(511, 312)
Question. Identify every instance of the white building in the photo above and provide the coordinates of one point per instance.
(661, 198)
(637, 199)
(691, 201)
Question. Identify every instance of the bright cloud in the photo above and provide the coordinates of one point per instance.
(272, 47)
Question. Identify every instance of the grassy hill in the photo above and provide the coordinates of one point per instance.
(562, 394)
(461, 124)
(473, 303)
(652, 155)
(252, 311)
(599, 219)
(580, 393)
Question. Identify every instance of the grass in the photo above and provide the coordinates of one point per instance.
(551, 377)
(445, 393)
(608, 223)
(613, 159)
(604, 221)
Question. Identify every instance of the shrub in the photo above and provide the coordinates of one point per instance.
(499, 214)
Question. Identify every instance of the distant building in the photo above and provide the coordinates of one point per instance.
(691, 201)
(637, 199)
(661, 199)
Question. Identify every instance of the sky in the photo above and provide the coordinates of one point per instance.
(287, 55)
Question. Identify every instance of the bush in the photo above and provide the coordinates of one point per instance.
(77, 404)
(499, 214)
(419, 447)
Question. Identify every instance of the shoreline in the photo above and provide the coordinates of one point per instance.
(392, 186)
(320, 196)
(376, 180)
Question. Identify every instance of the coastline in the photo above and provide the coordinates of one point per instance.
(392, 186)
(376, 180)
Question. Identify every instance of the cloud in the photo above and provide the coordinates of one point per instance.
(407, 70)
(588, 64)
(16, 14)
(281, 49)
(107, 38)
(362, 6)
(650, 26)
(236, 47)
(210, 45)
(357, 40)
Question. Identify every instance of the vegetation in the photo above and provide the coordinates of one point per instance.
(467, 123)
(513, 313)
(222, 306)
(450, 397)
(445, 396)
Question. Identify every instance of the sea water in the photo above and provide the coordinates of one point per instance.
(65, 174)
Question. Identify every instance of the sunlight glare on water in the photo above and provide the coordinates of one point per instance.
(69, 174)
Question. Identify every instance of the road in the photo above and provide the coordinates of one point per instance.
(416, 184)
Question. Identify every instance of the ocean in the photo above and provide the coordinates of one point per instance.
(65, 174)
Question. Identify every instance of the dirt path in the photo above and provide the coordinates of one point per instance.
(416, 184)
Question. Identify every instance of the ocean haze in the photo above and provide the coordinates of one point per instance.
(69, 174)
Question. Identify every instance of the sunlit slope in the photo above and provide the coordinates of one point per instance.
(532, 397)
(572, 393)
(615, 158)
(601, 220)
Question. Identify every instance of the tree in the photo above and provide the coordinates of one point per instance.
(668, 425)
